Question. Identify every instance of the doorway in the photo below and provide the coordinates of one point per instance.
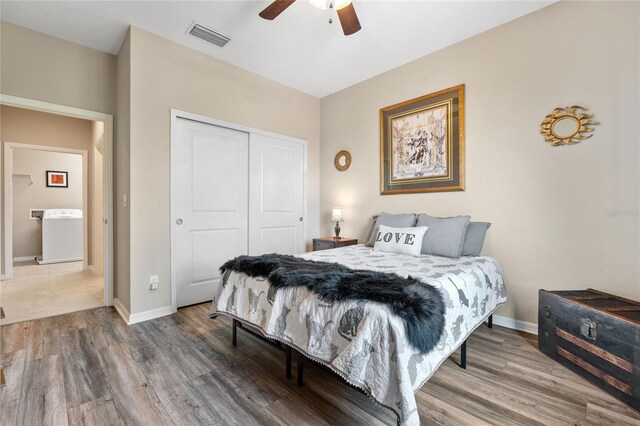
(57, 237)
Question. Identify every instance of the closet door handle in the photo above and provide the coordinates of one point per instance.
(179, 221)
(301, 219)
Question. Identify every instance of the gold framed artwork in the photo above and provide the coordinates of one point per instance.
(422, 144)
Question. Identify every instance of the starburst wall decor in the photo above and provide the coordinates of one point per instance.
(567, 126)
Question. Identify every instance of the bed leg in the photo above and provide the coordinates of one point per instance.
(288, 353)
(234, 332)
(490, 321)
(300, 368)
(463, 355)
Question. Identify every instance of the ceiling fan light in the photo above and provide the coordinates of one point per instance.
(324, 4)
(339, 4)
(320, 4)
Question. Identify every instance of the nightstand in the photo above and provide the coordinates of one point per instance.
(330, 243)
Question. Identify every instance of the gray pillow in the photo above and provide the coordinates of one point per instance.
(392, 220)
(445, 235)
(372, 225)
(474, 238)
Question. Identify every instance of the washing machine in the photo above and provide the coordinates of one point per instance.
(62, 239)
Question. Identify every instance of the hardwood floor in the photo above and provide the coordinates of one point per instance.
(90, 368)
(40, 291)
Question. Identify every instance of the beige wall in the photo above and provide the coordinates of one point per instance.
(166, 75)
(37, 66)
(122, 241)
(551, 208)
(39, 128)
(21, 125)
(27, 233)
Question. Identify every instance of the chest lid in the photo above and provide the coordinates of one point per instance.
(625, 309)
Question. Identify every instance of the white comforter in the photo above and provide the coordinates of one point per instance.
(364, 342)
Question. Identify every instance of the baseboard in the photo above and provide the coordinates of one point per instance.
(49, 262)
(141, 316)
(25, 258)
(124, 313)
(148, 315)
(527, 327)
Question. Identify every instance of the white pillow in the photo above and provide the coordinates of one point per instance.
(400, 240)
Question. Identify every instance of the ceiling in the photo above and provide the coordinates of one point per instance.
(299, 48)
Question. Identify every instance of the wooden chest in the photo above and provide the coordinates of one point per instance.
(596, 335)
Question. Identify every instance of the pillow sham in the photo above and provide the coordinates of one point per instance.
(474, 238)
(393, 220)
(400, 240)
(372, 226)
(445, 236)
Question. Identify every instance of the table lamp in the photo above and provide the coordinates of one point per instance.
(336, 216)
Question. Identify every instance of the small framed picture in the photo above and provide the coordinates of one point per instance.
(57, 179)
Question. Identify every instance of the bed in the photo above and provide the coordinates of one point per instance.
(363, 342)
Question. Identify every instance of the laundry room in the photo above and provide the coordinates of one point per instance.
(47, 182)
(52, 245)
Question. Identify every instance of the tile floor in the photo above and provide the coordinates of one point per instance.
(40, 291)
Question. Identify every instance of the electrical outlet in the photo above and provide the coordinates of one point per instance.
(36, 213)
(154, 282)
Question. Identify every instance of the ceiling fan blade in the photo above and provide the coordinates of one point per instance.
(274, 9)
(349, 19)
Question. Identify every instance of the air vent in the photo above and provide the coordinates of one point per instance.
(207, 34)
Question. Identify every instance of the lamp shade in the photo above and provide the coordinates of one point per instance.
(336, 214)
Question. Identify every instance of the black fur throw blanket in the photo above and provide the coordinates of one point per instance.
(420, 305)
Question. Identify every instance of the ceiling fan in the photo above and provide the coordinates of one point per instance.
(344, 8)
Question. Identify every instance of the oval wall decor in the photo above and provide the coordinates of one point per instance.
(567, 126)
(342, 160)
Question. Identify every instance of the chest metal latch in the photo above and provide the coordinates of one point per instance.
(588, 328)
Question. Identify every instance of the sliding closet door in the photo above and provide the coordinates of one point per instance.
(209, 196)
(276, 196)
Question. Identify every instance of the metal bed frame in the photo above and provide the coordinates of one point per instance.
(286, 349)
(300, 358)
